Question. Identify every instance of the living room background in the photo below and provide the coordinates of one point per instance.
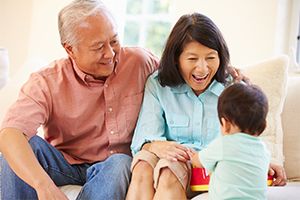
(253, 29)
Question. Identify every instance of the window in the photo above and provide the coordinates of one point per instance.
(295, 34)
(147, 24)
(298, 43)
(144, 23)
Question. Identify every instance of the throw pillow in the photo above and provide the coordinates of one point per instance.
(291, 120)
(271, 76)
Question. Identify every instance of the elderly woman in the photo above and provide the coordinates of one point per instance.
(179, 109)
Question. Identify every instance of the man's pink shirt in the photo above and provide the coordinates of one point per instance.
(84, 118)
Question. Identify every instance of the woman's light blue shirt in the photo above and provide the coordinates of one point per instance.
(177, 114)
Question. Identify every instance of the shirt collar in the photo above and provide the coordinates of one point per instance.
(86, 78)
(118, 59)
(184, 88)
(80, 73)
(215, 87)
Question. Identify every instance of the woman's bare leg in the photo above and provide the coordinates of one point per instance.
(169, 186)
(141, 186)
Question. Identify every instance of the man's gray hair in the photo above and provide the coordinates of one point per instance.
(71, 16)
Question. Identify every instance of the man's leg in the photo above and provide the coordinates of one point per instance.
(108, 179)
(52, 161)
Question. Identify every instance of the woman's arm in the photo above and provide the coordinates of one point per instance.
(237, 75)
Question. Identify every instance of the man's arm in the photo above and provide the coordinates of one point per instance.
(237, 75)
(20, 157)
(278, 173)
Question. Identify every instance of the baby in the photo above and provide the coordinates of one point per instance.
(238, 160)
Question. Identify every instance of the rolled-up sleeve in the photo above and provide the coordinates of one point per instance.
(32, 107)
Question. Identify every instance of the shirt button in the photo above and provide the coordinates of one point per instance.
(112, 151)
(112, 132)
(106, 85)
(110, 109)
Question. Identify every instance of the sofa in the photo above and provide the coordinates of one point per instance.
(282, 86)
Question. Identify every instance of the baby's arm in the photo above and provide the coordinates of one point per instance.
(194, 157)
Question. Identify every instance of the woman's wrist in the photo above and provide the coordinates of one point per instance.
(149, 147)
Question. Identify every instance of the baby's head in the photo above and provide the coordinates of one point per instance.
(245, 107)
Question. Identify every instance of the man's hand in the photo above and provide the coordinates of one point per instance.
(51, 192)
(278, 173)
(237, 75)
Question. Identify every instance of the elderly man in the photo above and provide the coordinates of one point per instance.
(87, 104)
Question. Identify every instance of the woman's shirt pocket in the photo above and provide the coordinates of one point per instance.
(178, 128)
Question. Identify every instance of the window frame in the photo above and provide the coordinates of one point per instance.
(294, 46)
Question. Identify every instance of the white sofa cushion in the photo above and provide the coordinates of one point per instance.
(271, 76)
(290, 191)
(71, 191)
(291, 128)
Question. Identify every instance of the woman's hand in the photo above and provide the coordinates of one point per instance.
(194, 157)
(169, 150)
(278, 173)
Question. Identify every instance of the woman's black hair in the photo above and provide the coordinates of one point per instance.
(191, 27)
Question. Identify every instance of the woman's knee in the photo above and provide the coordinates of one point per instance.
(142, 169)
(167, 178)
(142, 174)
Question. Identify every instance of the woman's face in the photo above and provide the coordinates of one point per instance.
(198, 64)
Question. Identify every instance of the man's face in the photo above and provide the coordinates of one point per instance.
(98, 46)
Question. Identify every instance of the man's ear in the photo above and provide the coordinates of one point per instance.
(226, 126)
(69, 49)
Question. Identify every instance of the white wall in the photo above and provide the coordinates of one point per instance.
(15, 27)
(44, 41)
(253, 29)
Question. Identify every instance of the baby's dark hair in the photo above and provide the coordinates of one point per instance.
(245, 106)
